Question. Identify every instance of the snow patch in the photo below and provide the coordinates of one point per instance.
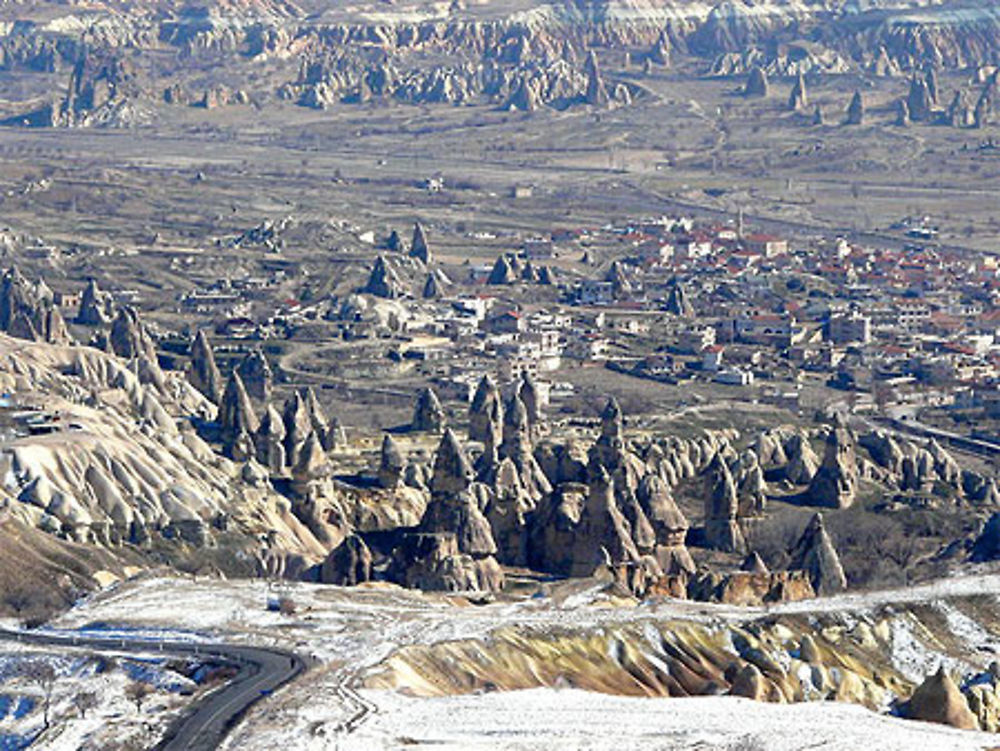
(567, 719)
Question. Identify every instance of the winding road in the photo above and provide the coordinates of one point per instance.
(204, 725)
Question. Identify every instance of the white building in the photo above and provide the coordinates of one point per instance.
(475, 307)
(711, 359)
(734, 377)
(696, 339)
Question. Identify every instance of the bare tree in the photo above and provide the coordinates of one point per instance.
(43, 675)
(17, 600)
(84, 702)
(774, 536)
(105, 664)
(136, 692)
(883, 394)
(902, 549)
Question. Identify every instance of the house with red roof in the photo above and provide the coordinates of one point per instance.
(766, 245)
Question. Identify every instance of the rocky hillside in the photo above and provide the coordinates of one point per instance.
(917, 659)
(100, 453)
(923, 652)
(103, 448)
(116, 466)
(115, 67)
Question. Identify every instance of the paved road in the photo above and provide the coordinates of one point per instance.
(203, 726)
(955, 440)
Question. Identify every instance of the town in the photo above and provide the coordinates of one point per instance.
(500, 375)
(674, 300)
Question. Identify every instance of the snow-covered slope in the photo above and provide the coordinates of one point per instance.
(449, 662)
(565, 719)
